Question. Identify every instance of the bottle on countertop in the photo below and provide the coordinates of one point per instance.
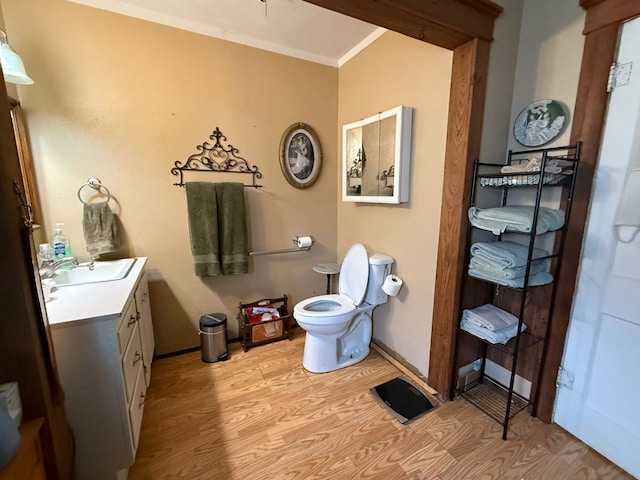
(45, 254)
(60, 243)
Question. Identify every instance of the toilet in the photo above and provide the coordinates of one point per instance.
(339, 326)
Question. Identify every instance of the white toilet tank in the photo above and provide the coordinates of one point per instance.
(379, 268)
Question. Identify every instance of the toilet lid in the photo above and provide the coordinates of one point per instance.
(354, 273)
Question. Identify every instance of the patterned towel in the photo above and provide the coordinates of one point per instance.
(100, 229)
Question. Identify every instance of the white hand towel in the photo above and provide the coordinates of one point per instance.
(516, 218)
(489, 316)
(505, 254)
(498, 336)
(509, 273)
(534, 165)
(540, 278)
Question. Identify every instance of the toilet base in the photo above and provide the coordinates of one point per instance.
(327, 353)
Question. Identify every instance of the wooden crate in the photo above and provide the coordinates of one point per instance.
(264, 331)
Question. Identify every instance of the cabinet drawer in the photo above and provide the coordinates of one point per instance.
(132, 362)
(127, 324)
(137, 407)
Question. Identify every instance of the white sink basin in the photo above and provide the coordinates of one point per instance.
(102, 272)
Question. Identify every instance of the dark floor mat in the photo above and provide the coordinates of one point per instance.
(403, 399)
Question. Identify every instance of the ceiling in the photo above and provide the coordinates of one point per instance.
(290, 27)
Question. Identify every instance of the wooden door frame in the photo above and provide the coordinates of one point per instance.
(25, 354)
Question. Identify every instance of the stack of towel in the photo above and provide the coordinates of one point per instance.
(490, 323)
(515, 218)
(505, 263)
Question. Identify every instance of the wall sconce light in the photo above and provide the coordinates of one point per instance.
(12, 65)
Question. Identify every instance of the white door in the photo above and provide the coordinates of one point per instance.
(598, 398)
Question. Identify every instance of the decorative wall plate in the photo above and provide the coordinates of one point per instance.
(539, 123)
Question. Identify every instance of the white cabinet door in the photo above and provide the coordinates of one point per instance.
(599, 386)
(145, 326)
(128, 323)
(136, 408)
(131, 363)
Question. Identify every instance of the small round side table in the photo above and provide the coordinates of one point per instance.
(328, 269)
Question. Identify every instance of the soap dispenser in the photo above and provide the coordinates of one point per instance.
(61, 246)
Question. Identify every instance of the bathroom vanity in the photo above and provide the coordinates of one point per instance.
(103, 340)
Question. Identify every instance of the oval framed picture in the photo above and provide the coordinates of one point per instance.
(300, 155)
(540, 123)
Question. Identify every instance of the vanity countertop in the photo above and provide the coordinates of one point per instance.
(103, 300)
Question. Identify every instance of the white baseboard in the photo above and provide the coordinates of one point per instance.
(521, 385)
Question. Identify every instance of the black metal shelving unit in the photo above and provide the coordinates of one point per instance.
(497, 400)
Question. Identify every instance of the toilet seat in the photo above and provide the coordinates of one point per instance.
(354, 275)
(319, 309)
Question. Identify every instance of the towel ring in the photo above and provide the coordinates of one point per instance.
(95, 184)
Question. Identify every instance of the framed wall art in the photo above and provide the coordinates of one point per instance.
(300, 155)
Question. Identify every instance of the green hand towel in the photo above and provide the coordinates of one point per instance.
(100, 229)
(232, 228)
(202, 208)
(217, 227)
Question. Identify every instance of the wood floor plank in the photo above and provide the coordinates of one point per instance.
(261, 416)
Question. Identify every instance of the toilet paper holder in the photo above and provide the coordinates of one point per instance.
(303, 244)
(392, 285)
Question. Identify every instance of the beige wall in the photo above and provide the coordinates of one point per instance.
(536, 54)
(549, 58)
(396, 70)
(548, 67)
(496, 129)
(123, 99)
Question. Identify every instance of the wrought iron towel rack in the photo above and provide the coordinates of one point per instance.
(216, 158)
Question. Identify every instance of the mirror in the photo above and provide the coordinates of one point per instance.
(376, 152)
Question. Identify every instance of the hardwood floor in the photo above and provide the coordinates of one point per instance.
(260, 415)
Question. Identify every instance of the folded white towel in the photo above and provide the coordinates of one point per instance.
(535, 165)
(492, 270)
(497, 336)
(552, 169)
(515, 218)
(489, 316)
(505, 254)
(541, 278)
(532, 165)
